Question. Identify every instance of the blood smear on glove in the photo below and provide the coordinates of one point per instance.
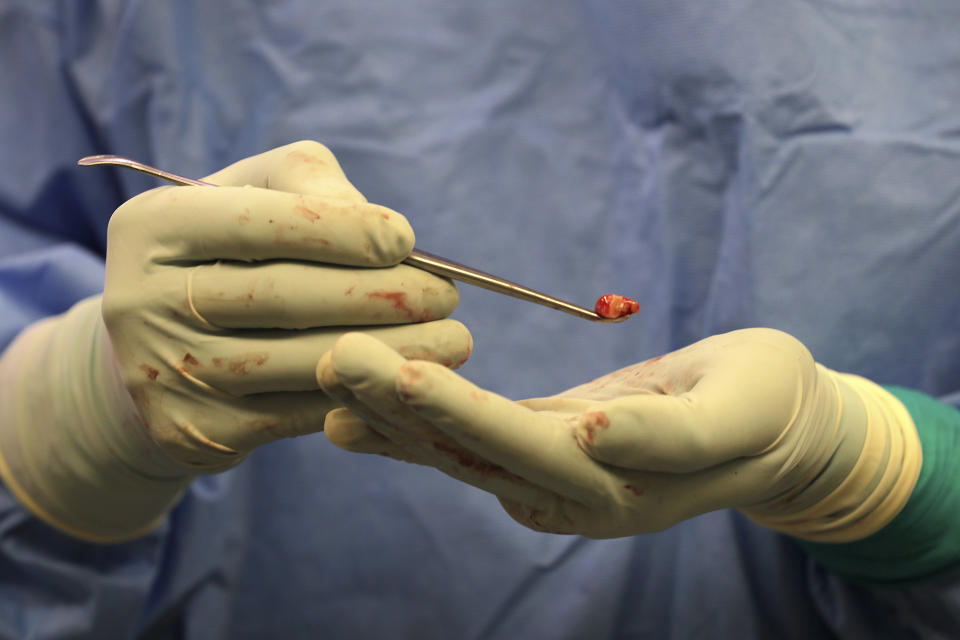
(613, 306)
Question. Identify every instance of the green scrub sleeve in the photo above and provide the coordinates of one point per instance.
(923, 541)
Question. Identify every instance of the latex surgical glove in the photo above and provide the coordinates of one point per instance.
(218, 303)
(745, 419)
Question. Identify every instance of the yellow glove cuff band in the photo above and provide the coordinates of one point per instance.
(880, 482)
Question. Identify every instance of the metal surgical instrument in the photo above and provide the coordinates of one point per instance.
(419, 259)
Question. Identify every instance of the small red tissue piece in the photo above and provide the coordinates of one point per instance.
(613, 306)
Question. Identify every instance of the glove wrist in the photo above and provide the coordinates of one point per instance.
(873, 465)
(72, 445)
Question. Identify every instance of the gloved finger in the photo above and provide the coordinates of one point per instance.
(334, 387)
(736, 401)
(205, 224)
(558, 404)
(532, 445)
(296, 295)
(300, 167)
(737, 483)
(350, 433)
(215, 431)
(553, 516)
(363, 371)
(367, 369)
(410, 438)
(268, 361)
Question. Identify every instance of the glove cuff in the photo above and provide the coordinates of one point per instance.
(923, 542)
(880, 481)
(72, 447)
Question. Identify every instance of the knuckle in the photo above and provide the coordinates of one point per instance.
(115, 307)
(311, 147)
(309, 153)
(142, 205)
(391, 236)
(110, 308)
(124, 218)
(590, 431)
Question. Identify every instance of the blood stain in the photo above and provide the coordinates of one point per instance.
(398, 298)
(307, 213)
(305, 158)
(593, 421)
(240, 364)
(634, 489)
(150, 371)
(468, 460)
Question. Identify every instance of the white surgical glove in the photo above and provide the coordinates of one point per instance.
(217, 305)
(745, 419)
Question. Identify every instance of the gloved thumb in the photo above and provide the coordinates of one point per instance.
(725, 397)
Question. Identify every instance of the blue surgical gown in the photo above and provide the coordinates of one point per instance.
(728, 162)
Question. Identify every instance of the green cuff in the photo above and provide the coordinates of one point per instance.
(923, 541)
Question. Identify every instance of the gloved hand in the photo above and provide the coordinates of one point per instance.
(745, 419)
(217, 305)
